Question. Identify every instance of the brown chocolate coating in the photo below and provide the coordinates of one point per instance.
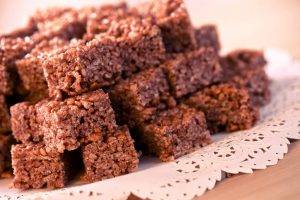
(207, 36)
(82, 68)
(141, 97)
(35, 166)
(113, 156)
(192, 71)
(246, 69)
(226, 108)
(175, 24)
(174, 133)
(64, 124)
(30, 67)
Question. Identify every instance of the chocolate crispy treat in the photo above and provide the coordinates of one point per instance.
(30, 67)
(113, 156)
(245, 68)
(239, 61)
(64, 22)
(257, 83)
(5, 145)
(64, 124)
(191, 71)
(207, 36)
(174, 21)
(24, 122)
(4, 116)
(36, 166)
(80, 119)
(226, 108)
(140, 43)
(100, 19)
(83, 67)
(139, 98)
(174, 133)
(11, 49)
(50, 14)
(67, 26)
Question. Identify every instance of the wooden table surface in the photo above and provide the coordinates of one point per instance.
(251, 24)
(278, 182)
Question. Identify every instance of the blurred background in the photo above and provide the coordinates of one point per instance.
(255, 24)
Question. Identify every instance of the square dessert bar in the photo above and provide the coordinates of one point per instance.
(246, 68)
(239, 61)
(175, 24)
(174, 133)
(140, 97)
(24, 122)
(30, 67)
(64, 22)
(191, 71)
(36, 166)
(64, 124)
(140, 43)
(4, 116)
(80, 119)
(83, 67)
(11, 49)
(207, 36)
(5, 145)
(49, 14)
(67, 26)
(99, 19)
(113, 156)
(257, 83)
(226, 108)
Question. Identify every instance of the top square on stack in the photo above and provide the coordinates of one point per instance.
(173, 19)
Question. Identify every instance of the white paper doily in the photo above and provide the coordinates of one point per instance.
(192, 175)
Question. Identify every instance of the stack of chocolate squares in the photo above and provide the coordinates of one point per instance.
(54, 132)
(95, 84)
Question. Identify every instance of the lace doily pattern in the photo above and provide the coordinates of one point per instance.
(192, 175)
